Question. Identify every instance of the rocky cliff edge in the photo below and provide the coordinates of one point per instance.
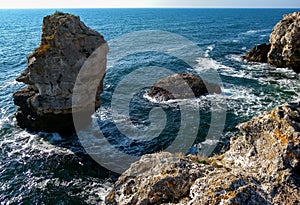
(261, 167)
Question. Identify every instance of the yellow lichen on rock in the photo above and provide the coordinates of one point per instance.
(51, 37)
(43, 49)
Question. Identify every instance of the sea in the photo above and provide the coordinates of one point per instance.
(46, 168)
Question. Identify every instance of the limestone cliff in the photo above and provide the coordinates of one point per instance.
(284, 47)
(46, 103)
(261, 167)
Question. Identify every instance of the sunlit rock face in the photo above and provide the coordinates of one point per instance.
(261, 167)
(285, 43)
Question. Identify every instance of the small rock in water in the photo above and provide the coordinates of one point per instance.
(182, 86)
(259, 53)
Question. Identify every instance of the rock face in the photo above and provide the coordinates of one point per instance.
(261, 167)
(284, 49)
(46, 103)
(173, 87)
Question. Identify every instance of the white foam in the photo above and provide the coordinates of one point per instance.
(208, 63)
(256, 31)
(208, 50)
(11, 84)
(234, 57)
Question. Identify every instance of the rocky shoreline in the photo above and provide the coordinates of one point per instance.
(261, 167)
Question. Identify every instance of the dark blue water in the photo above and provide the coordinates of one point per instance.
(44, 168)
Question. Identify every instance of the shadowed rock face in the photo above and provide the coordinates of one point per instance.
(284, 47)
(182, 86)
(261, 167)
(46, 103)
(259, 53)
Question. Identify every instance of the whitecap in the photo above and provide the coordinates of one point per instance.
(207, 63)
(249, 32)
(234, 57)
(208, 50)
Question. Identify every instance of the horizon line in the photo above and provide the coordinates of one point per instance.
(150, 8)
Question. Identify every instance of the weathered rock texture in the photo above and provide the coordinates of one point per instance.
(46, 103)
(285, 43)
(284, 48)
(182, 86)
(261, 167)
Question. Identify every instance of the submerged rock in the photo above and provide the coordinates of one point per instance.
(182, 86)
(46, 103)
(284, 47)
(261, 167)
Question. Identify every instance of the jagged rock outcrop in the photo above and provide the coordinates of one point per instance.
(46, 103)
(261, 167)
(284, 44)
(180, 85)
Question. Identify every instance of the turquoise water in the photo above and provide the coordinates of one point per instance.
(43, 168)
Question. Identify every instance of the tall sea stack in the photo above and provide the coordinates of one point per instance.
(45, 104)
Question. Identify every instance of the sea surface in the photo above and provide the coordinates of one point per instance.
(45, 168)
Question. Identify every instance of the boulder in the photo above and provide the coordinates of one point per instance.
(46, 103)
(261, 167)
(182, 86)
(259, 53)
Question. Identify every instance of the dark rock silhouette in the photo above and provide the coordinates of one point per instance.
(182, 86)
(259, 53)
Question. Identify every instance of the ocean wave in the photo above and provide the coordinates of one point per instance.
(235, 57)
(208, 50)
(208, 63)
(250, 32)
